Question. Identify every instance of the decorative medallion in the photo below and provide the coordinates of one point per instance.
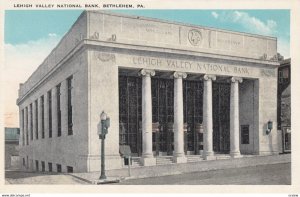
(264, 56)
(195, 37)
(112, 38)
(95, 36)
(274, 58)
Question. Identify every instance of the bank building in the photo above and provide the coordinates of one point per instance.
(174, 92)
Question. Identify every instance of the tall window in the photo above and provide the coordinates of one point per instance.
(23, 133)
(43, 116)
(36, 119)
(58, 110)
(70, 123)
(26, 112)
(31, 123)
(50, 113)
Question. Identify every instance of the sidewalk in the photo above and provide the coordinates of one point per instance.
(172, 169)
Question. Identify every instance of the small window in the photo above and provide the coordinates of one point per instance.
(50, 167)
(23, 161)
(58, 167)
(245, 134)
(43, 166)
(69, 169)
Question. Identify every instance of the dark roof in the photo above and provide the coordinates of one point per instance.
(285, 61)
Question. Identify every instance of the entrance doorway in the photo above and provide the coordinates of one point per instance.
(221, 117)
(163, 114)
(193, 116)
(130, 113)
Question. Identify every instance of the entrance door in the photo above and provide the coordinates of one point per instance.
(193, 115)
(163, 113)
(221, 117)
(130, 113)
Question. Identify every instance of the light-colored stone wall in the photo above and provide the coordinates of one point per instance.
(103, 96)
(268, 143)
(77, 33)
(246, 102)
(94, 64)
(67, 150)
(151, 32)
(257, 89)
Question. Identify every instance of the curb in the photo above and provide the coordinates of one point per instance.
(152, 171)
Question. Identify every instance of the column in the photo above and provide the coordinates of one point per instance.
(147, 156)
(54, 112)
(208, 152)
(64, 107)
(178, 156)
(234, 117)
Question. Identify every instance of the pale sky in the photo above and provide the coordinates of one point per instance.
(30, 35)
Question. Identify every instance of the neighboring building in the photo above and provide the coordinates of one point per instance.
(284, 103)
(172, 90)
(12, 147)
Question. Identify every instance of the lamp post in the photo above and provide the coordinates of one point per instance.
(102, 131)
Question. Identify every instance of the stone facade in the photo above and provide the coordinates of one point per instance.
(101, 44)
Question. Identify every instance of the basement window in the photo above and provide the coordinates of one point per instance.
(50, 167)
(69, 169)
(58, 167)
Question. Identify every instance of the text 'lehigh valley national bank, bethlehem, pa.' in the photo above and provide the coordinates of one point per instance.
(83, 6)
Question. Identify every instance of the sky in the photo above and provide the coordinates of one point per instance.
(30, 35)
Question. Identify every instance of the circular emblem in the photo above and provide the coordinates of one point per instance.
(195, 37)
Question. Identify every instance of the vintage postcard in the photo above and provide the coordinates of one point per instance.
(167, 96)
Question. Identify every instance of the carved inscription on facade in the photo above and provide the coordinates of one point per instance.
(150, 28)
(190, 65)
(227, 41)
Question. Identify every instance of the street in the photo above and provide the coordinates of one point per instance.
(272, 174)
(275, 174)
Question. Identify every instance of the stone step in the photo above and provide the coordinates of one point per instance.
(164, 160)
(194, 158)
(136, 162)
(219, 157)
